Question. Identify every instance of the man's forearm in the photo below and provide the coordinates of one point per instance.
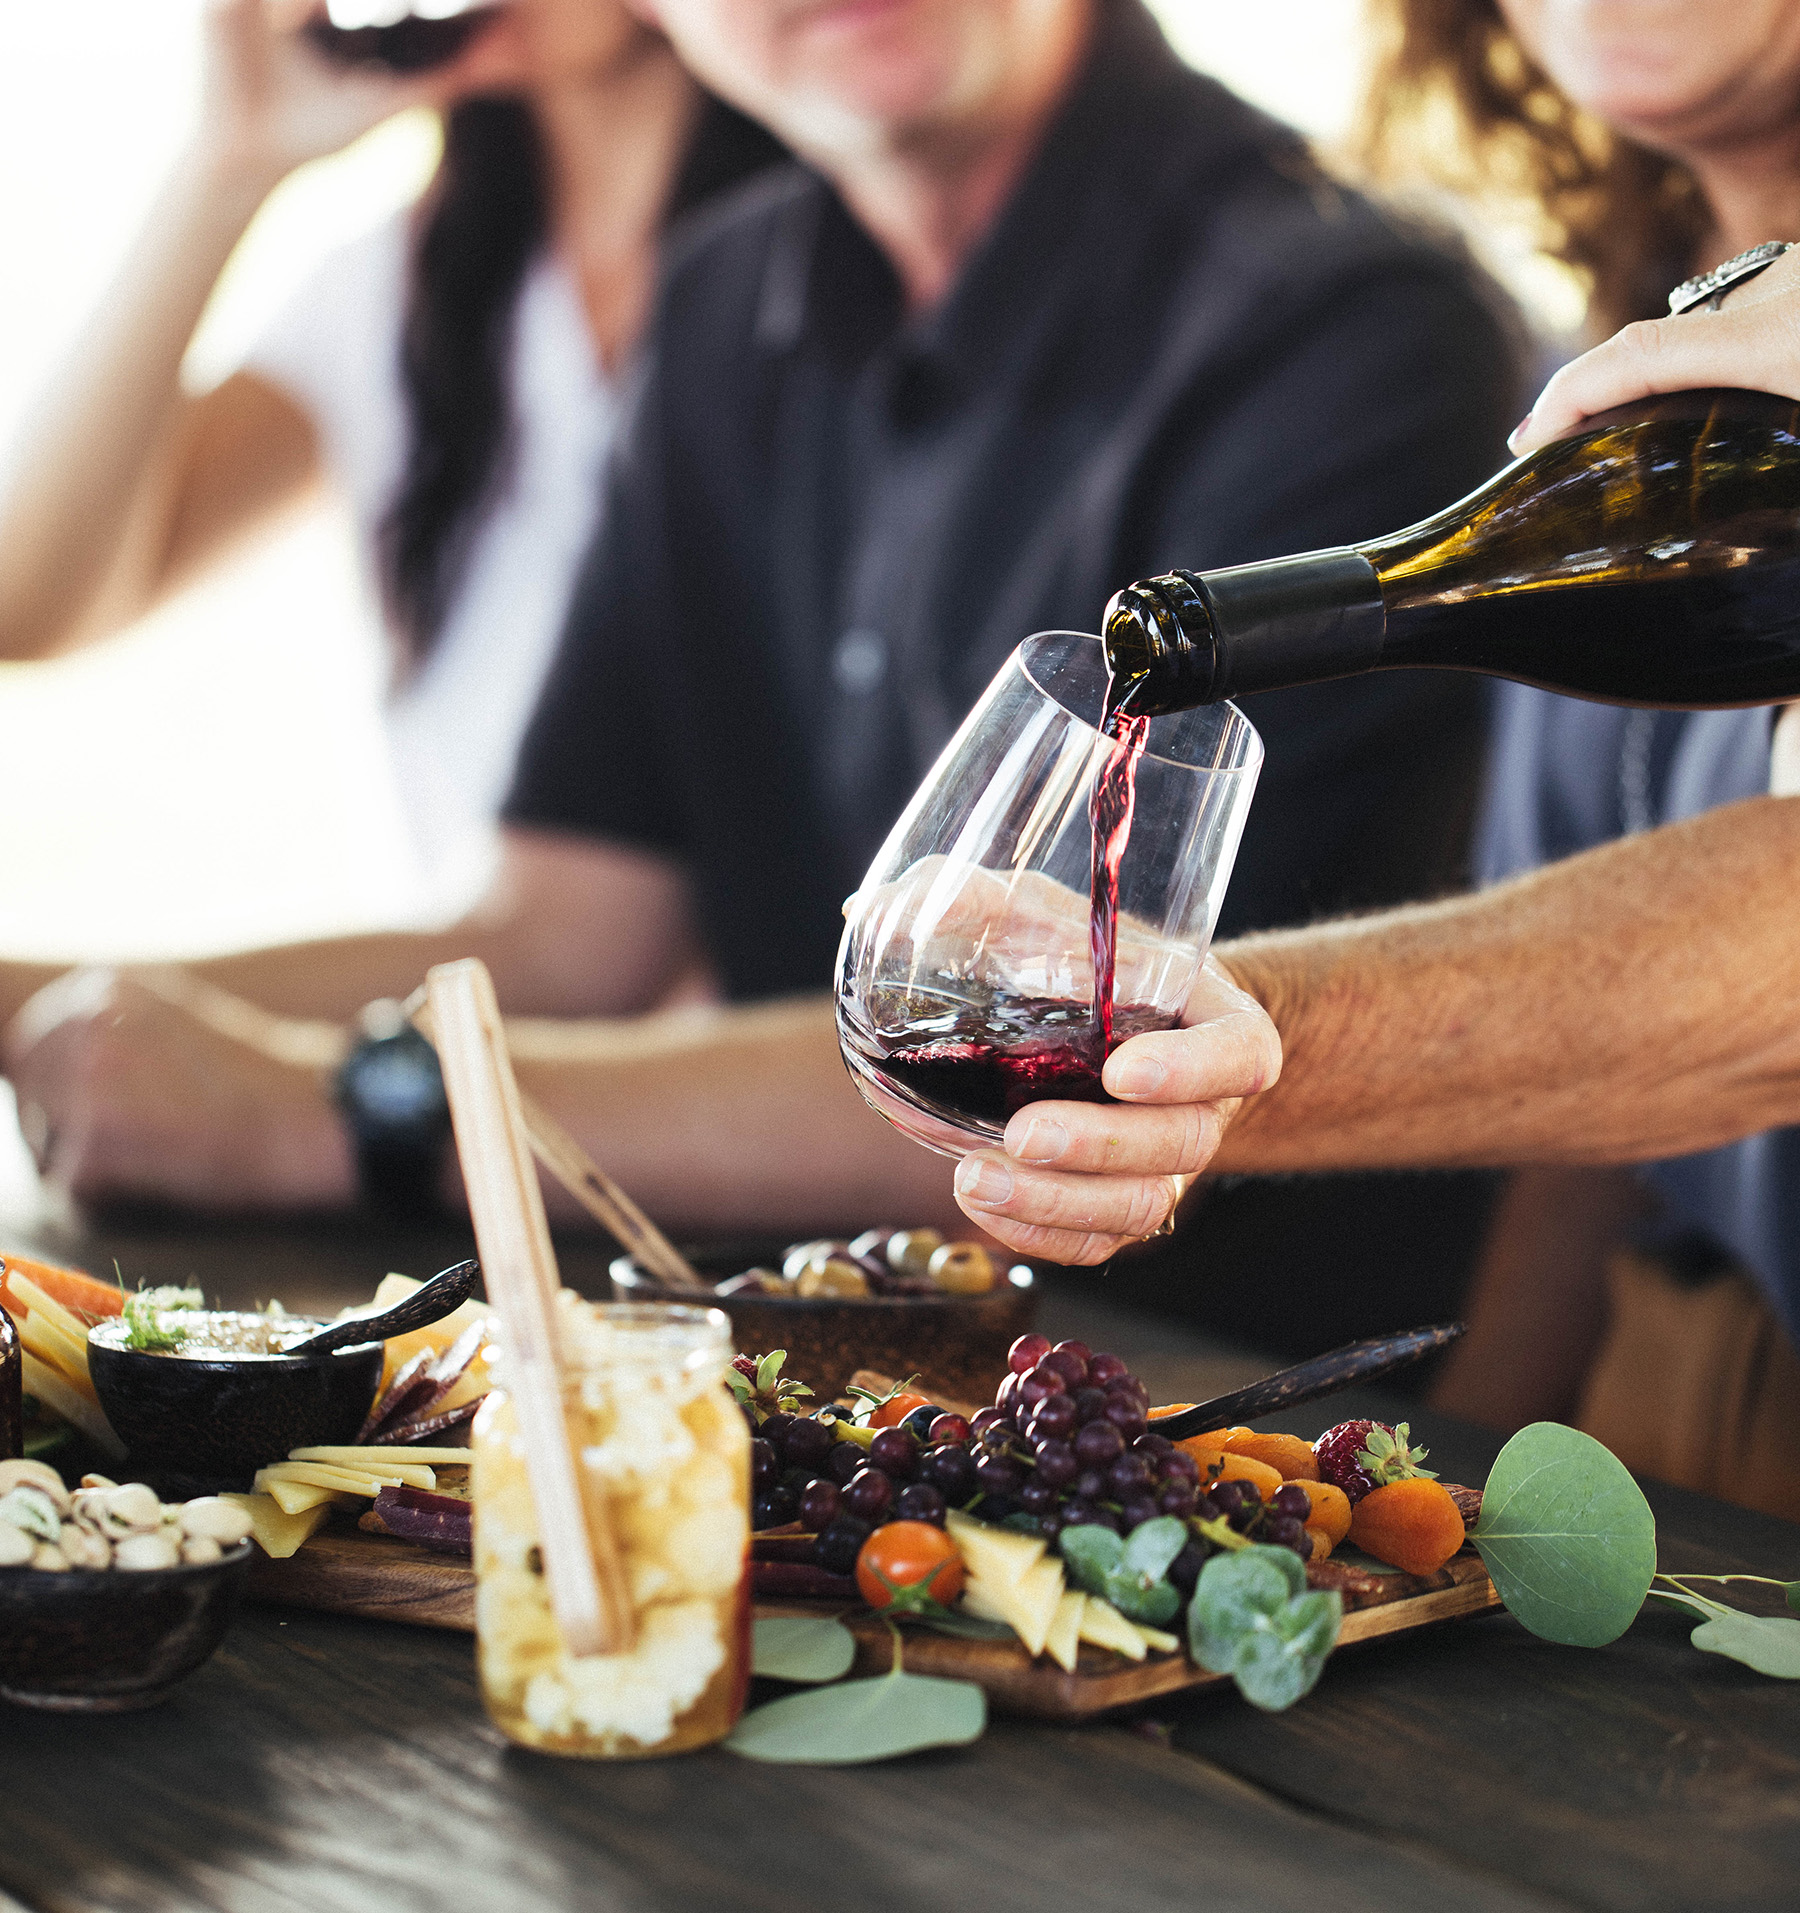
(1638, 1001)
(740, 1119)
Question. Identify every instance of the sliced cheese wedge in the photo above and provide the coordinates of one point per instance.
(56, 1350)
(394, 1460)
(1155, 1639)
(1035, 1600)
(278, 1533)
(360, 1481)
(982, 1603)
(1063, 1643)
(1001, 1556)
(297, 1497)
(63, 1398)
(44, 1305)
(1105, 1626)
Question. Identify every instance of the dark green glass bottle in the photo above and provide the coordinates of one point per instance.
(1651, 557)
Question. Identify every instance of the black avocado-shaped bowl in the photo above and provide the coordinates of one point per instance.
(206, 1422)
(108, 1640)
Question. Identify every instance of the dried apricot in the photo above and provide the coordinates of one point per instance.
(1413, 1525)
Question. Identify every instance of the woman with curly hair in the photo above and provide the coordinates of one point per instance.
(1651, 140)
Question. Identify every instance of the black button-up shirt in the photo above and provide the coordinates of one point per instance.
(828, 523)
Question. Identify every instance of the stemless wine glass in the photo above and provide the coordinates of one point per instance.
(965, 976)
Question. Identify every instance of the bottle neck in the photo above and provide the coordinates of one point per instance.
(1190, 638)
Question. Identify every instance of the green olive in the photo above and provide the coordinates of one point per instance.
(835, 1276)
(962, 1268)
(909, 1251)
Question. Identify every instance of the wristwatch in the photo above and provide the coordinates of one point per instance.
(391, 1092)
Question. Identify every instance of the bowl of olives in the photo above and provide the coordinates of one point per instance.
(902, 1301)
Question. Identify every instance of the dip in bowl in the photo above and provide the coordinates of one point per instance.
(228, 1399)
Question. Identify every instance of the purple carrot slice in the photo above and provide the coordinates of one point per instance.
(789, 1580)
(799, 1548)
(414, 1429)
(411, 1383)
(443, 1522)
(450, 1367)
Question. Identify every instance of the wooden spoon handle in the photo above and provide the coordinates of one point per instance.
(582, 1564)
(1305, 1382)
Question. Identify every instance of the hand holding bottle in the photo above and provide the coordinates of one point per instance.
(1076, 1182)
(1753, 341)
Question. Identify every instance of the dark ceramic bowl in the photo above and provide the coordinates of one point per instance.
(105, 1641)
(211, 1421)
(957, 1343)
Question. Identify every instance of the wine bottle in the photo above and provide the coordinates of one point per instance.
(1650, 557)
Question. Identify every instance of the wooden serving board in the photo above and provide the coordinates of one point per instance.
(377, 1577)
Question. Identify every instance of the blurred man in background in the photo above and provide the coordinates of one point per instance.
(1044, 310)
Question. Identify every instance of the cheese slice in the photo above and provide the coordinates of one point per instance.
(1105, 1626)
(1155, 1639)
(60, 1395)
(386, 1458)
(1063, 1643)
(354, 1480)
(278, 1533)
(56, 1350)
(1001, 1556)
(297, 1497)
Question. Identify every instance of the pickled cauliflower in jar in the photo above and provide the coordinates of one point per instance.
(656, 1432)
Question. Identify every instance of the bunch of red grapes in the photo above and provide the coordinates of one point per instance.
(1067, 1442)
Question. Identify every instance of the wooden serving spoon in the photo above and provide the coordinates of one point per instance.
(1362, 1361)
(428, 1303)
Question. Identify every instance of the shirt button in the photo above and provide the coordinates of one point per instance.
(860, 662)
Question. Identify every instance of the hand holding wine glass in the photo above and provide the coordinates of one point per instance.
(1076, 1182)
(1043, 907)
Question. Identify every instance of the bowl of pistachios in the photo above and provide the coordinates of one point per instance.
(900, 1301)
(110, 1597)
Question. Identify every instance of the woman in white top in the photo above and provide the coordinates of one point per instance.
(451, 372)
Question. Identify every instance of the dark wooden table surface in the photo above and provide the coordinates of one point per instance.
(324, 1764)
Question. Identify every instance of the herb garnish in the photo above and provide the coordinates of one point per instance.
(144, 1313)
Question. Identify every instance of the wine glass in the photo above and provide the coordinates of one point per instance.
(965, 981)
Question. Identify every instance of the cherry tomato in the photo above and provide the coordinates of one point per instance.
(891, 1413)
(906, 1556)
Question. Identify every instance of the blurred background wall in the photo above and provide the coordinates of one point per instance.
(212, 778)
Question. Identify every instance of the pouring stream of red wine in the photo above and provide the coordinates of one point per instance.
(1109, 811)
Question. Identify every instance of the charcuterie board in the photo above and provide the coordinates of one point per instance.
(380, 1578)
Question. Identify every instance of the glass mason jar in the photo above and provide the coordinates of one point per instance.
(657, 1432)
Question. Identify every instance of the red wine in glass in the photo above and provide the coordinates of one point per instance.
(982, 1061)
(414, 43)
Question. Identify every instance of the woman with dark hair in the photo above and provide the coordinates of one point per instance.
(452, 372)
(1655, 140)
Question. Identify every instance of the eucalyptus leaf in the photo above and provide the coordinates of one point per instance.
(1090, 1552)
(1253, 1619)
(1151, 1605)
(1793, 1596)
(1567, 1536)
(1153, 1546)
(960, 1626)
(857, 1721)
(800, 1647)
(1770, 1643)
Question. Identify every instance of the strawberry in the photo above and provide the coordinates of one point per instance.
(1358, 1456)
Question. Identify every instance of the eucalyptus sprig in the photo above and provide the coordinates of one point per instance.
(1769, 1643)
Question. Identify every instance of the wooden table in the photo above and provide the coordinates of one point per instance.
(320, 1764)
